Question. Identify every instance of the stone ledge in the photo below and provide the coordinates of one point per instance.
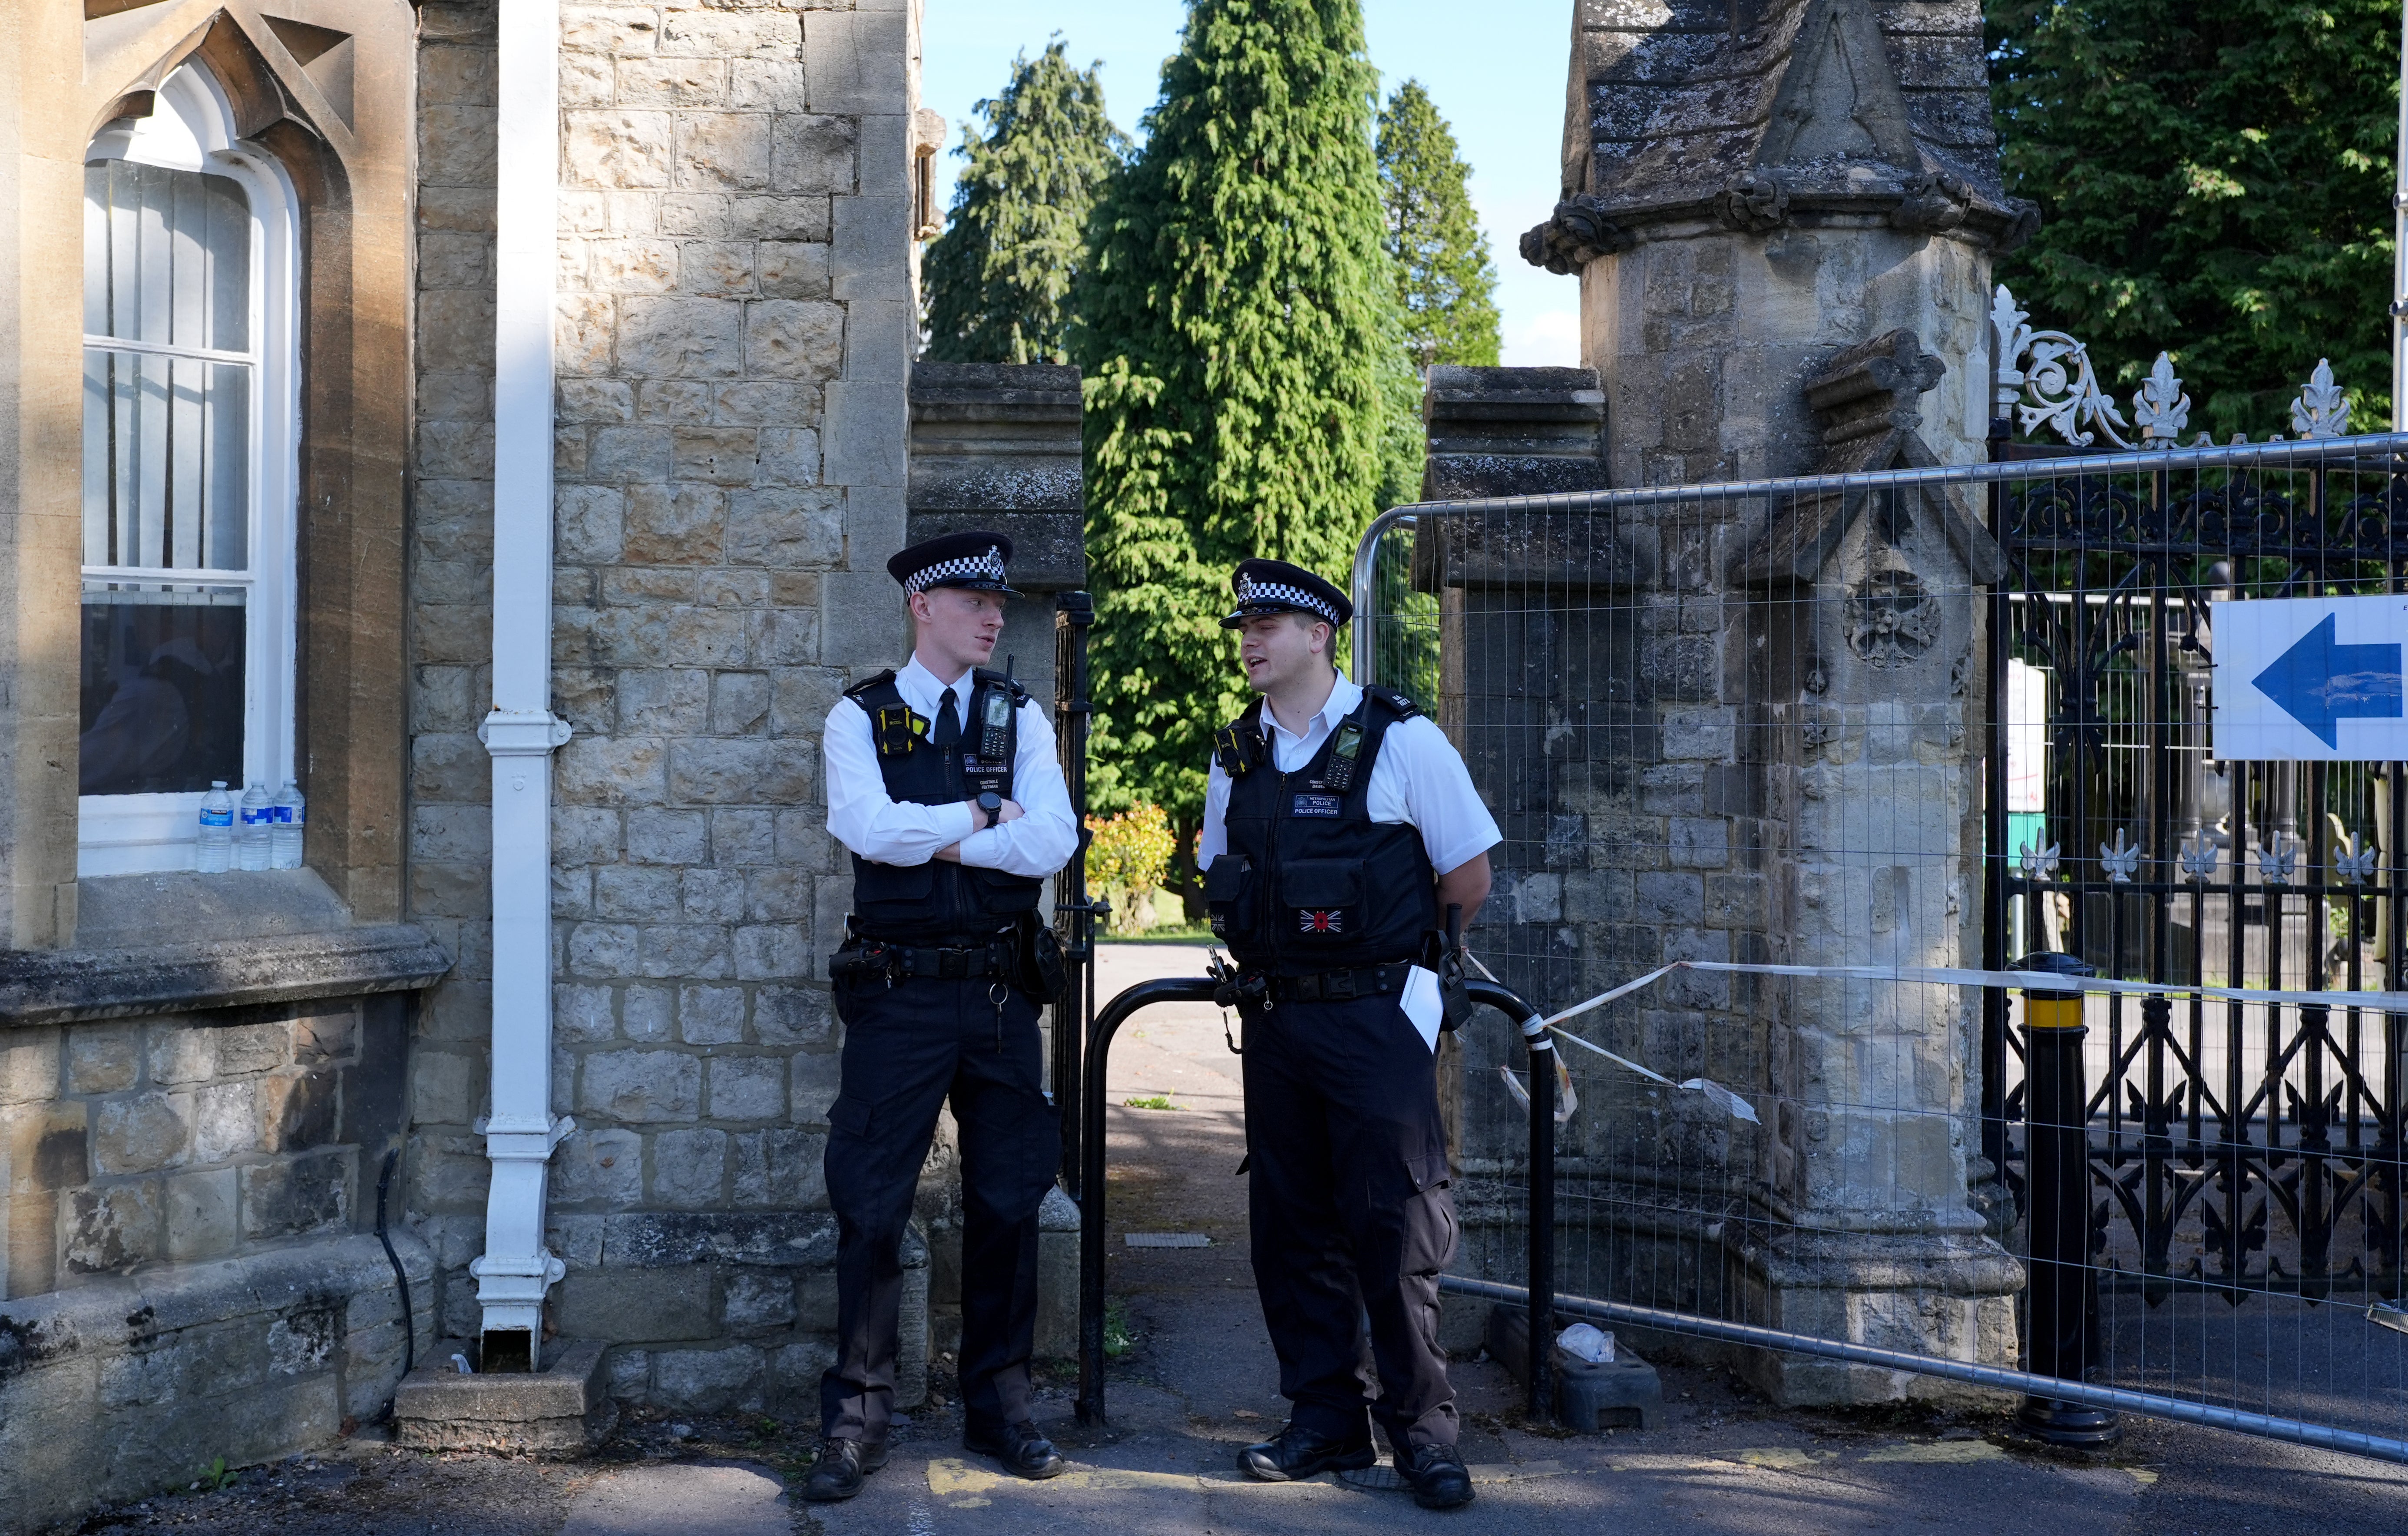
(119, 1387)
(559, 1410)
(62, 986)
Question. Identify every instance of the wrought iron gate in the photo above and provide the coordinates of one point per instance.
(2239, 1148)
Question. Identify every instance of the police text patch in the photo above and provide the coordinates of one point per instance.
(1317, 805)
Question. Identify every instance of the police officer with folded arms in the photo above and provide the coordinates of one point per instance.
(942, 783)
(1339, 827)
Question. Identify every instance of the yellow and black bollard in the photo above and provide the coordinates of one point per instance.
(2061, 1313)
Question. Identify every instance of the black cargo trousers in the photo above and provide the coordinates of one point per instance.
(908, 1049)
(1351, 1215)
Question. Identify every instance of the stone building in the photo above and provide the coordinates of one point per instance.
(494, 419)
(1736, 727)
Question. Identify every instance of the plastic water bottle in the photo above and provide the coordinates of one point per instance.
(258, 826)
(216, 853)
(291, 814)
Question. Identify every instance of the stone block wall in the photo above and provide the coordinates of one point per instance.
(133, 1143)
(734, 333)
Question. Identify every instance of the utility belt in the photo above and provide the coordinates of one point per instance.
(1239, 986)
(1245, 988)
(1027, 955)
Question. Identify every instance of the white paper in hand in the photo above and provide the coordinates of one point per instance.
(1422, 1006)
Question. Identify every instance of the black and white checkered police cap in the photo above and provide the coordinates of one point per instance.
(974, 559)
(1274, 586)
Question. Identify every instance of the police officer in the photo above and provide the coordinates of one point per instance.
(942, 782)
(1339, 826)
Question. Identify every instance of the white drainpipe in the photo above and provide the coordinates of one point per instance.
(521, 733)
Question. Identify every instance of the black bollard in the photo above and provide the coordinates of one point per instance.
(2061, 1313)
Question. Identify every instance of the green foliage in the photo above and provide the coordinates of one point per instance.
(1156, 1103)
(1446, 284)
(999, 279)
(1128, 855)
(1237, 328)
(217, 1476)
(2215, 179)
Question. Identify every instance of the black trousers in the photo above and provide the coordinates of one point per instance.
(1351, 1215)
(908, 1049)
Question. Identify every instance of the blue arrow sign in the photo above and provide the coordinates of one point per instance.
(2320, 683)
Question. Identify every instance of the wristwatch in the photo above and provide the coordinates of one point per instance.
(992, 803)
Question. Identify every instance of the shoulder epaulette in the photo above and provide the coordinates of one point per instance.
(1239, 745)
(1404, 705)
(869, 685)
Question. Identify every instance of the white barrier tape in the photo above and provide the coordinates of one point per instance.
(2026, 981)
(2022, 981)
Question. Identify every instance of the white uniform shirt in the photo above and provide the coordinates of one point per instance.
(884, 830)
(1418, 779)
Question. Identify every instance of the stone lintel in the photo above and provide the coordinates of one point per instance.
(997, 446)
(63, 986)
(562, 1410)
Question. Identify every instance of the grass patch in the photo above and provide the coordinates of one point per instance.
(1199, 933)
(1156, 1102)
(1119, 1338)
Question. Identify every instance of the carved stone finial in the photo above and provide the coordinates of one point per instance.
(1873, 387)
(1933, 203)
(1579, 233)
(1753, 200)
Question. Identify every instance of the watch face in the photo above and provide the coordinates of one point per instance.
(990, 801)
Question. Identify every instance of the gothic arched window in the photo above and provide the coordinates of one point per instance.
(190, 416)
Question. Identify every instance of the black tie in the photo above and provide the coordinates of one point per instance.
(949, 722)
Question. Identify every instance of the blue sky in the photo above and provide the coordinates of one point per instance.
(1496, 71)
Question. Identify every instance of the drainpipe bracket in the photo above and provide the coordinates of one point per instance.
(519, 1140)
(524, 1278)
(522, 733)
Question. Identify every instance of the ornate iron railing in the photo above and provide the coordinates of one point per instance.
(2242, 1148)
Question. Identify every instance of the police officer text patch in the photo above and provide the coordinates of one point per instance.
(1317, 805)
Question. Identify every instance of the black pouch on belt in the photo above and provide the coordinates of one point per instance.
(1043, 974)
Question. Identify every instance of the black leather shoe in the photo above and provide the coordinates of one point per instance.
(1438, 1475)
(1295, 1454)
(1023, 1451)
(841, 1466)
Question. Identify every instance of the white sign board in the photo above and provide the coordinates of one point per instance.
(2314, 679)
(2027, 736)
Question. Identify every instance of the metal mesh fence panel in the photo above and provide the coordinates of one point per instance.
(1823, 730)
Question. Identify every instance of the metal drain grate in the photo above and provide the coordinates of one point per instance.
(1166, 1240)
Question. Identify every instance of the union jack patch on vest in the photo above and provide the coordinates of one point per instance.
(1309, 921)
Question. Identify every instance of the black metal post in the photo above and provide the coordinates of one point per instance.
(1995, 651)
(1074, 914)
(1175, 989)
(1540, 1228)
(2062, 1293)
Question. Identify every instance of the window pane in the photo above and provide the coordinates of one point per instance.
(175, 260)
(162, 688)
(166, 462)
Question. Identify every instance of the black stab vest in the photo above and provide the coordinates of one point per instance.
(939, 902)
(1311, 882)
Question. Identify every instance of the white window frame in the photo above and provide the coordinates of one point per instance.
(192, 128)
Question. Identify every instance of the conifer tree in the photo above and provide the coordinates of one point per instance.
(999, 279)
(1237, 322)
(1445, 283)
(2213, 178)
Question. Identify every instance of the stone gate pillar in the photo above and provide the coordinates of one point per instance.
(1782, 214)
